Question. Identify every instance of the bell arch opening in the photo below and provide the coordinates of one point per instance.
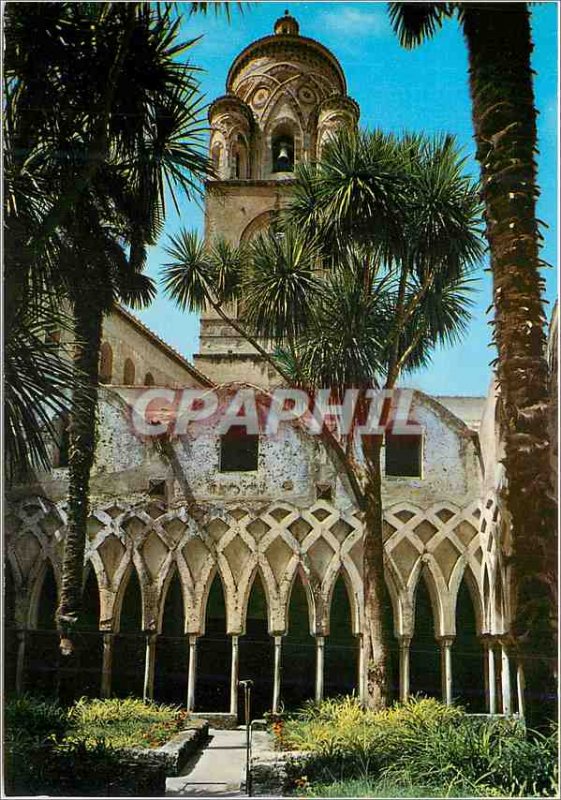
(282, 149)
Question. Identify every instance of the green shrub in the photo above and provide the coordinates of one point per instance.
(126, 723)
(82, 750)
(34, 718)
(422, 743)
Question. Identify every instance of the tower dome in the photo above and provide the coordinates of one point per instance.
(285, 95)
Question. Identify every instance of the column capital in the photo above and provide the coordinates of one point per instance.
(404, 640)
(445, 641)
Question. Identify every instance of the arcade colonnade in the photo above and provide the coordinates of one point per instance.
(441, 571)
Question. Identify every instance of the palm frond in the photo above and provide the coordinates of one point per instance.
(188, 278)
(415, 22)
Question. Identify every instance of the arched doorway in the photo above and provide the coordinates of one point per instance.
(214, 654)
(257, 652)
(467, 655)
(424, 652)
(298, 651)
(341, 646)
(129, 653)
(43, 651)
(172, 651)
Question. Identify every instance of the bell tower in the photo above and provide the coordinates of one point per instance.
(286, 94)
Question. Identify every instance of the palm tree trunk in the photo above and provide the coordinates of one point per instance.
(499, 42)
(88, 326)
(376, 600)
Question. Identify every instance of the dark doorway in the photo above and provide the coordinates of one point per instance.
(298, 652)
(467, 656)
(172, 649)
(257, 653)
(425, 652)
(42, 648)
(130, 644)
(341, 647)
(214, 662)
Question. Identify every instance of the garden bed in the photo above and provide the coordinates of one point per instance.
(96, 747)
(419, 749)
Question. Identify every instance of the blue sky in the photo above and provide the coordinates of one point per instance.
(421, 90)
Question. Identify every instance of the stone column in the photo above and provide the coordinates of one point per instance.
(520, 689)
(20, 663)
(404, 672)
(487, 671)
(277, 674)
(191, 678)
(234, 674)
(505, 681)
(107, 664)
(149, 666)
(320, 644)
(446, 668)
(492, 673)
(361, 668)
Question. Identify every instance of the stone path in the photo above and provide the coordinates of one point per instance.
(216, 771)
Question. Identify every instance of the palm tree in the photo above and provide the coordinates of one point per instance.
(399, 284)
(105, 120)
(499, 43)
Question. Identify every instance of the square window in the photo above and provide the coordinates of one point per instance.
(238, 450)
(404, 455)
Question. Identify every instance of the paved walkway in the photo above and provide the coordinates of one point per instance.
(216, 771)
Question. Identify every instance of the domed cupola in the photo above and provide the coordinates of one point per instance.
(287, 25)
(286, 94)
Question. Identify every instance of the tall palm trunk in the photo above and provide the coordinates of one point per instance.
(499, 42)
(376, 599)
(88, 325)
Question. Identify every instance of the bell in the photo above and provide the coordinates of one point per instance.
(283, 159)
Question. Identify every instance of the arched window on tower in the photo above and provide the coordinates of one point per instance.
(149, 379)
(240, 159)
(105, 363)
(128, 373)
(216, 158)
(283, 150)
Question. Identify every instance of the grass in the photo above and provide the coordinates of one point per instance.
(362, 787)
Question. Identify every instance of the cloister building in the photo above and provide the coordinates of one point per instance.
(204, 567)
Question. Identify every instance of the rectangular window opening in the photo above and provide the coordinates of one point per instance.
(239, 450)
(404, 455)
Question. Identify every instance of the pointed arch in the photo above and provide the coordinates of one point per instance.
(424, 650)
(467, 653)
(105, 363)
(129, 652)
(298, 646)
(341, 645)
(42, 652)
(172, 650)
(129, 372)
(214, 651)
